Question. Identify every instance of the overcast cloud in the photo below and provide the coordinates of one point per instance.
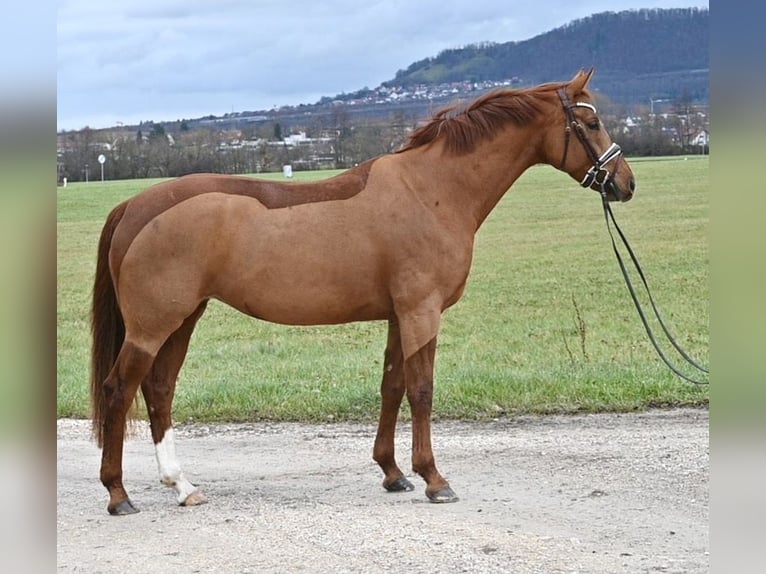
(164, 60)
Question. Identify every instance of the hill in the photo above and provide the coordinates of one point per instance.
(638, 54)
(641, 57)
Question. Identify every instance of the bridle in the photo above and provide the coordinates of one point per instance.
(597, 175)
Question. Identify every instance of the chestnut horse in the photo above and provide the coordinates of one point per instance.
(391, 239)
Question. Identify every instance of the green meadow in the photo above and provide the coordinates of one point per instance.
(546, 324)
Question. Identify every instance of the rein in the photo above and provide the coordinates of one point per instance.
(591, 178)
(608, 215)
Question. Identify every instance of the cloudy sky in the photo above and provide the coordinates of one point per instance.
(136, 60)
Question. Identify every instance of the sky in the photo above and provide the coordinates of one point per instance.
(164, 60)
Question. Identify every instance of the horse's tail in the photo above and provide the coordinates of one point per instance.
(107, 325)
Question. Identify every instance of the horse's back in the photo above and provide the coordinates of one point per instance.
(155, 200)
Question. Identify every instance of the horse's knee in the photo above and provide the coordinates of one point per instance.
(420, 396)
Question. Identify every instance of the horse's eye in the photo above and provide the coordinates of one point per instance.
(594, 125)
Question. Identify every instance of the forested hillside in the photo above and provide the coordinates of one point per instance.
(638, 54)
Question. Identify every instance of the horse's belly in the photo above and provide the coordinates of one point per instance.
(302, 299)
(308, 311)
(314, 280)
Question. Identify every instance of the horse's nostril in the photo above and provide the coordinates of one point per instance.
(632, 184)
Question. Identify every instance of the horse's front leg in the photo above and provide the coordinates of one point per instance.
(419, 380)
(391, 392)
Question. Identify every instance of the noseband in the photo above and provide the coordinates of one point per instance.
(597, 174)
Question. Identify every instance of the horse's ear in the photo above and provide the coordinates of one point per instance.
(579, 82)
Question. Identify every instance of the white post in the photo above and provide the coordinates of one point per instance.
(101, 160)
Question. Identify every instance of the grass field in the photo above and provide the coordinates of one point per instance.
(545, 326)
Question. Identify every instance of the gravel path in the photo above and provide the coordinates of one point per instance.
(597, 494)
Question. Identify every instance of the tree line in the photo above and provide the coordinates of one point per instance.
(155, 150)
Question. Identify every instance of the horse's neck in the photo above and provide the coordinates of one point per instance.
(471, 185)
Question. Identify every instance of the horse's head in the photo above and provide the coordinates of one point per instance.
(578, 144)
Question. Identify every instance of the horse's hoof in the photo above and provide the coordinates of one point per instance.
(444, 495)
(401, 484)
(123, 508)
(194, 499)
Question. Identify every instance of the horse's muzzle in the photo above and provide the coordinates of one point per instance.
(616, 193)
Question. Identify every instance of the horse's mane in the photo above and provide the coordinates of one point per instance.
(463, 126)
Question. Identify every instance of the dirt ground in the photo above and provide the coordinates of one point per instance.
(579, 494)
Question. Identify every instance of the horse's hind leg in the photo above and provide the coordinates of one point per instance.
(392, 391)
(158, 389)
(119, 390)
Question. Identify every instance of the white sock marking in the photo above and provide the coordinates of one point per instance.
(170, 470)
